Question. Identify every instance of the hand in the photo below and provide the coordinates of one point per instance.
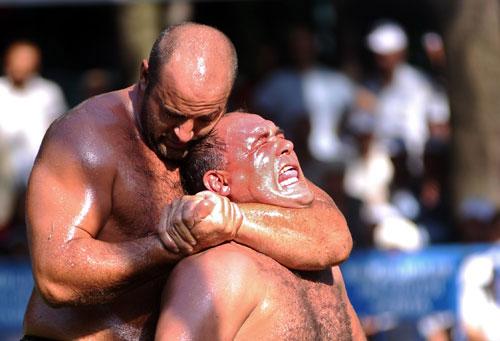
(221, 224)
(178, 219)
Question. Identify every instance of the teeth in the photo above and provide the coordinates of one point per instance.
(286, 168)
(290, 181)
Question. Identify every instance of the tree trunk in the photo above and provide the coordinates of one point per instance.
(473, 48)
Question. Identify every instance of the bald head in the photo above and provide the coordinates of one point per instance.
(195, 50)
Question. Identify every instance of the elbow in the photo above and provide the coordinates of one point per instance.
(56, 295)
(338, 250)
(344, 250)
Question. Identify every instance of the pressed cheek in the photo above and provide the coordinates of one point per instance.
(261, 160)
(263, 167)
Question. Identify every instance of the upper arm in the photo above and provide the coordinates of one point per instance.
(208, 297)
(68, 196)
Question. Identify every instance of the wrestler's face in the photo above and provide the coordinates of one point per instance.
(261, 164)
(180, 108)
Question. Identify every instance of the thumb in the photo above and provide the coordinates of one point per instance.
(203, 209)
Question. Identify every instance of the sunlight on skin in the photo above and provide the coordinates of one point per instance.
(87, 203)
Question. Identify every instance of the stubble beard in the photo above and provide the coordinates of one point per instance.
(147, 125)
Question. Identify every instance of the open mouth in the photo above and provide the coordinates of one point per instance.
(288, 176)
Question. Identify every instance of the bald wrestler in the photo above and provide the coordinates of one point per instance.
(107, 218)
(232, 292)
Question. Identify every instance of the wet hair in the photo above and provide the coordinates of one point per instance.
(168, 41)
(204, 155)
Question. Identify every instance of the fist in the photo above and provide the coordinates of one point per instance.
(177, 220)
(195, 222)
(219, 225)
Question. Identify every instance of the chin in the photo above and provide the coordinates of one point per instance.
(291, 200)
(297, 195)
(169, 154)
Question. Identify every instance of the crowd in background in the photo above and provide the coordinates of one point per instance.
(377, 142)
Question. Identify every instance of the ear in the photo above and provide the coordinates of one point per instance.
(217, 181)
(143, 76)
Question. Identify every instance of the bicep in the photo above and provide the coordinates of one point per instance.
(64, 201)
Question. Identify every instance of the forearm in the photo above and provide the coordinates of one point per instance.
(304, 239)
(89, 271)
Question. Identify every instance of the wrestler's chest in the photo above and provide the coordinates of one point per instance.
(140, 194)
(309, 306)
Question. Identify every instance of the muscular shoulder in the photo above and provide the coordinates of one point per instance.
(228, 272)
(228, 262)
(90, 133)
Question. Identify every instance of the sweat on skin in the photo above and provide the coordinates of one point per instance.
(234, 292)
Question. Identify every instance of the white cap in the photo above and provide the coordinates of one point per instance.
(398, 233)
(387, 38)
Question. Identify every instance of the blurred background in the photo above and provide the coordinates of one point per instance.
(393, 107)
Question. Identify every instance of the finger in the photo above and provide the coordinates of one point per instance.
(188, 221)
(188, 213)
(169, 243)
(183, 246)
(202, 210)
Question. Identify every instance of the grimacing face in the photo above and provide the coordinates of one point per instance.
(172, 115)
(261, 164)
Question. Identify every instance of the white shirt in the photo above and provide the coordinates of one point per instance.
(478, 308)
(368, 179)
(327, 95)
(25, 115)
(402, 109)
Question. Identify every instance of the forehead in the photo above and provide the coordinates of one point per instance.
(198, 76)
(237, 127)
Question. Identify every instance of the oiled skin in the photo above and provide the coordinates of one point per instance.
(115, 161)
(102, 204)
(240, 294)
(105, 280)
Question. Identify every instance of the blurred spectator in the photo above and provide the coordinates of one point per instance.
(307, 90)
(391, 230)
(438, 326)
(368, 175)
(368, 178)
(479, 308)
(438, 112)
(95, 82)
(476, 218)
(397, 95)
(28, 104)
(6, 186)
(435, 194)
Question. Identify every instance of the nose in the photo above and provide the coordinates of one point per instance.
(184, 131)
(286, 146)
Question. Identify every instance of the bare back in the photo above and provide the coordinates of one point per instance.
(252, 297)
(95, 156)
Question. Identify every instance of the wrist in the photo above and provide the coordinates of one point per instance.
(239, 220)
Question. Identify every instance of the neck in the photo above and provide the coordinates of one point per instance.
(135, 107)
(19, 84)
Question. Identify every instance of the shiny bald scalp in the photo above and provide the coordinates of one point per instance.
(189, 35)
